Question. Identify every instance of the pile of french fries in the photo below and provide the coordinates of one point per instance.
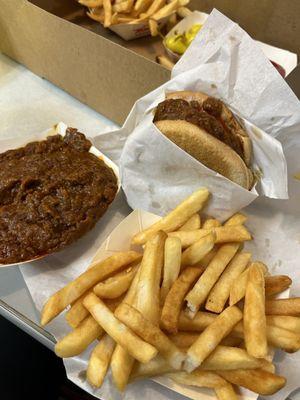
(112, 12)
(191, 305)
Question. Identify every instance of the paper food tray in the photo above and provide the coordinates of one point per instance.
(120, 240)
(61, 129)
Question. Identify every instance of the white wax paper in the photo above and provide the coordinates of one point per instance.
(225, 62)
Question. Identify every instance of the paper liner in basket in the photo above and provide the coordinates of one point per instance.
(156, 174)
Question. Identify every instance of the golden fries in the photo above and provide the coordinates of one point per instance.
(99, 361)
(217, 349)
(91, 3)
(77, 312)
(226, 392)
(257, 380)
(107, 13)
(151, 334)
(238, 289)
(116, 285)
(73, 290)
(175, 218)
(191, 224)
(285, 321)
(153, 26)
(168, 9)
(172, 262)
(79, 339)
(236, 219)
(155, 6)
(211, 223)
(195, 253)
(224, 234)
(165, 62)
(255, 326)
(220, 292)
(198, 378)
(276, 284)
(175, 298)
(283, 306)
(211, 337)
(196, 297)
(228, 358)
(148, 287)
(121, 365)
(136, 347)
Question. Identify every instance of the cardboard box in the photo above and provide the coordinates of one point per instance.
(55, 40)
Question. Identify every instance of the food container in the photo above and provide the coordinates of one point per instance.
(61, 128)
(137, 30)
(185, 24)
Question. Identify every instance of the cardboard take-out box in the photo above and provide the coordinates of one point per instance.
(56, 40)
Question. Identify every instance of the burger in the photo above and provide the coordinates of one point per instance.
(205, 128)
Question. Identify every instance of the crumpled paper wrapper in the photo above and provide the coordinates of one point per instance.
(225, 62)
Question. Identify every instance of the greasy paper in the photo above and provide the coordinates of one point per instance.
(156, 174)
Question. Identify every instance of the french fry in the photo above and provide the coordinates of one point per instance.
(99, 361)
(277, 284)
(175, 298)
(211, 223)
(151, 334)
(168, 9)
(238, 289)
(157, 366)
(73, 290)
(77, 312)
(142, 5)
(122, 362)
(153, 26)
(285, 321)
(211, 337)
(135, 346)
(220, 292)
(283, 306)
(257, 380)
(255, 326)
(224, 234)
(95, 17)
(196, 297)
(116, 285)
(79, 339)
(198, 378)
(165, 62)
(236, 219)
(192, 224)
(91, 3)
(148, 288)
(276, 336)
(193, 254)
(172, 21)
(209, 256)
(121, 365)
(183, 3)
(155, 6)
(226, 392)
(186, 339)
(172, 262)
(183, 12)
(107, 13)
(267, 366)
(123, 7)
(228, 358)
(176, 218)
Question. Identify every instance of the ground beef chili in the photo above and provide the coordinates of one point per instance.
(51, 193)
(207, 116)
